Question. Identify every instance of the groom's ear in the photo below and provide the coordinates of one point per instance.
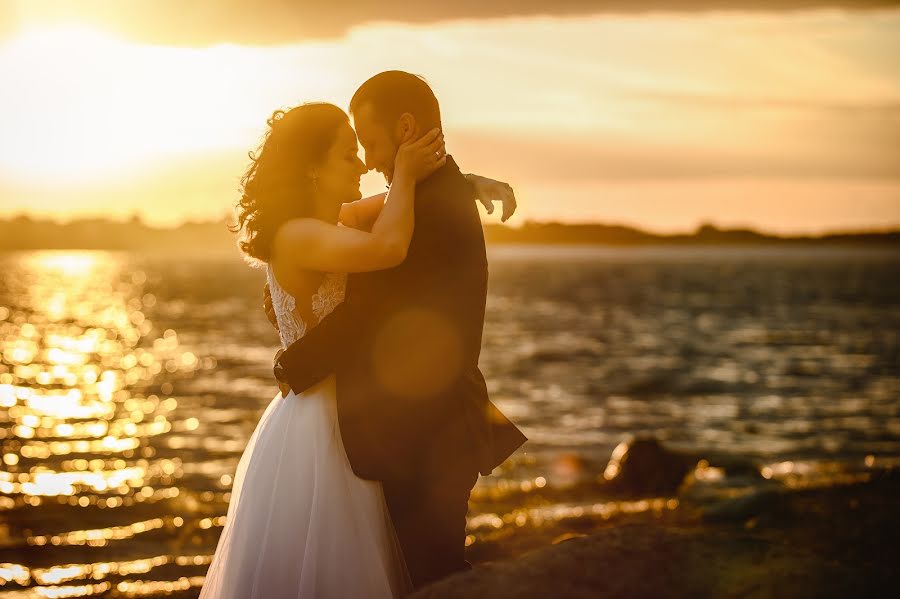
(406, 129)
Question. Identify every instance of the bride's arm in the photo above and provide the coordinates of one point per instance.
(342, 249)
(362, 214)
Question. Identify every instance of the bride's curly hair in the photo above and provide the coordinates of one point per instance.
(276, 186)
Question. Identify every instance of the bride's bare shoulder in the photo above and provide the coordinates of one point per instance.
(300, 232)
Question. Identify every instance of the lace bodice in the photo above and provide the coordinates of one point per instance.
(290, 326)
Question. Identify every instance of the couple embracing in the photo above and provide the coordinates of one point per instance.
(355, 482)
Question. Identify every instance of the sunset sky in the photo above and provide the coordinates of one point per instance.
(731, 112)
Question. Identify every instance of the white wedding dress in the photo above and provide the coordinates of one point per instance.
(300, 523)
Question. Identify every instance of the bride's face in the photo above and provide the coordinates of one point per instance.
(338, 176)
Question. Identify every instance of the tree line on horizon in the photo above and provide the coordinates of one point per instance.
(23, 232)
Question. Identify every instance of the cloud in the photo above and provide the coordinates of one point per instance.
(275, 22)
(889, 109)
(838, 153)
(791, 96)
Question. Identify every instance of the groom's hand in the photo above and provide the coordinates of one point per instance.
(270, 314)
(268, 307)
(283, 386)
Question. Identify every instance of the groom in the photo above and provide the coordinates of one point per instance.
(412, 404)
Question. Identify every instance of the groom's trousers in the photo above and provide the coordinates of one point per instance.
(429, 516)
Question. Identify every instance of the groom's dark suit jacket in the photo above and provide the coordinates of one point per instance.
(404, 346)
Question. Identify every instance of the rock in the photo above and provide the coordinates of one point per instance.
(839, 542)
(643, 467)
(710, 484)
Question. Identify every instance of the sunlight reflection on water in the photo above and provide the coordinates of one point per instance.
(129, 386)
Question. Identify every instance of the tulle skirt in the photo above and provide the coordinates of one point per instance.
(300, 523)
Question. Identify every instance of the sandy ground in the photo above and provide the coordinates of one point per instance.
(833, 542)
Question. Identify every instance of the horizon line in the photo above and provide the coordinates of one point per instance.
(137, 219)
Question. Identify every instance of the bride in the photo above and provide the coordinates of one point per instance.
(300, 523)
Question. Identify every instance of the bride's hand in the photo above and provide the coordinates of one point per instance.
(419, 159)
(489, 191)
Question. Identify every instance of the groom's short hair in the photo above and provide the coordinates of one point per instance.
(393, 93)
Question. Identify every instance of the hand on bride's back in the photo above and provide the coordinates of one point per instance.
(419, 158)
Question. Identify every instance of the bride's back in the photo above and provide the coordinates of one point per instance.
(301, 299)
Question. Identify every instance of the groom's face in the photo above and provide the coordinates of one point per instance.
(378, 141)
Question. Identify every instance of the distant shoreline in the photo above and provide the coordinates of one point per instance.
(24, 233)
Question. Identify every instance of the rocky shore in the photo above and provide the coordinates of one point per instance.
(834, 540)
(652, 523)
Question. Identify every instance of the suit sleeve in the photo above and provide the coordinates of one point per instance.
(312, 358)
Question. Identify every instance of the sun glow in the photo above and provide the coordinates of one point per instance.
(94, 106)
(70, 264)
(619, 118)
